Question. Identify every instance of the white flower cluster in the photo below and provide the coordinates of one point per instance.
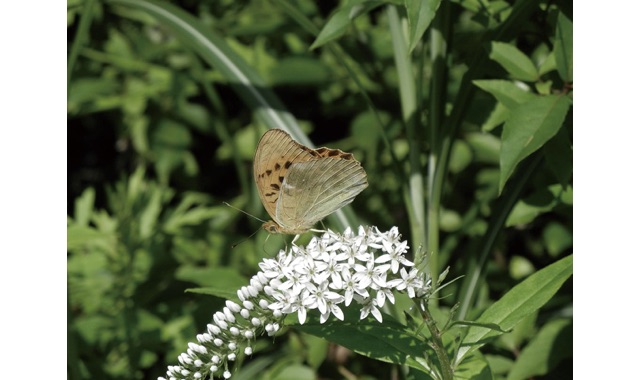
(330, 271)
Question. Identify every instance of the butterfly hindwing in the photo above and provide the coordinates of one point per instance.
(317, 188)
(276, 152)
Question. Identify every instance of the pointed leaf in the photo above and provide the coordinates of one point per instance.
(506, 92)
(563, 47)
(84, 207)
(517, 64)
(473, 367)
(219, 282)
(548, 348)
(339, 22)
(529, 127)
(541, 201)
(420, 13)
(334, 28)
(149, 216)
(387, 341)
(524, 299)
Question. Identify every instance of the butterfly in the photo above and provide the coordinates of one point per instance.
(299, 186)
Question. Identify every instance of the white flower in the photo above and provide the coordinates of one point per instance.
(370, 307)
(395, 255)
(332, 308)
(331, 270)
(351, 287)
(382, 294)
(317, 296)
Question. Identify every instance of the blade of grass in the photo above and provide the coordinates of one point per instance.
(408, 102)
(522, 300)
(82, 35)
(439, 37)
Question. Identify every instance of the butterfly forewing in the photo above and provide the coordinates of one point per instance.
(275, 153)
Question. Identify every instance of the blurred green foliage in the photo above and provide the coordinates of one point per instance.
(460, 112)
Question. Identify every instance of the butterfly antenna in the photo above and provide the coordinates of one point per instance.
(246, 213)
(245, 239)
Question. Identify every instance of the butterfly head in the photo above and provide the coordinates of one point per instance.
(271, 227)
(274, 228)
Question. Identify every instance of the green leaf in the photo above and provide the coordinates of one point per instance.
(558, 153)
(473, 367)
(80, 236)
(521, 333)
(530, 125)
(334, 28)
(506, 92)
(295, 372)
(520, 267)
(497, 117)
(316, 350)
(485, 147)
(517, 64)
(548, 65)
(339, 22)
(500, 365)
(545, 351)
(420, 13)
(149, 216)
(544, 88)
(524, 299)
(556, 238)
(563, 47)
(84, 207)
(193, 217)
(387, 341)
(538, 203)
(219, 282)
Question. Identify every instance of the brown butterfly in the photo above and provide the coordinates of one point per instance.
(299, 186)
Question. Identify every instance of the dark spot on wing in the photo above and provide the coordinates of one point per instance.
(346, 156)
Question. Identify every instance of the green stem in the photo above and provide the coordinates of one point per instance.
(437, 344)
